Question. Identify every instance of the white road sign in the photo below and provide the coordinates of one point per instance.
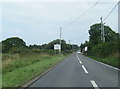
(86, 48)
(57, 47)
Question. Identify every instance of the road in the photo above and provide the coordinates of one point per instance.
(79, 71)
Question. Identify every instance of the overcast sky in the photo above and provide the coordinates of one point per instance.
(39, 22)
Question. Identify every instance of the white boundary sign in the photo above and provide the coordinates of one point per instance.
(57, 47)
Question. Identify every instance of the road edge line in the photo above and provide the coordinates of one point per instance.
(103, 64)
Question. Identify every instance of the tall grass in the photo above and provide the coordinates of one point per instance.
(18, 69)
(11, 62)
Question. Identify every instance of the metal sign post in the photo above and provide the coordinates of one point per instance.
(60, 40)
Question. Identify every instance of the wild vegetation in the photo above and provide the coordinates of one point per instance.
(19, 70)
(21, 63)
(108, 51)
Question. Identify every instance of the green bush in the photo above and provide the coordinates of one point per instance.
(105, 49)
(19, 50)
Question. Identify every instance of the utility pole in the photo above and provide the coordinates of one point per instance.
(60, 40)
(102, 31)
(69, 44)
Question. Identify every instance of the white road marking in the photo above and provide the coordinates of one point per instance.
(80, 62)
(82, 65)
(78, 58)
(84, 69)
(94, 84)
(109, 66)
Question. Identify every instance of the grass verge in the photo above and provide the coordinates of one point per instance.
(20, 75)
(113, 61)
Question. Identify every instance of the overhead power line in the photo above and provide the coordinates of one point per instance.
(110, 12)
(80, 17)
(87, 11)
(79, 37)
(83, 14)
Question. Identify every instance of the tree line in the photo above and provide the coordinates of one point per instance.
(96, 47)
(18, 45)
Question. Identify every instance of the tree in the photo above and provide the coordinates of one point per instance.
(95, 37)
(0, 47)
(50, 45)
(12, 42)
(95, 34)
(35, 46)
(74, 47)
(98, 48)
(82, 46)
(110, 35)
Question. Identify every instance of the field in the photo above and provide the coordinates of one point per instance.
(18, 69)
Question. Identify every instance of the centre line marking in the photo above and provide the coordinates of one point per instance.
(80, 62)
(78, 58)
(94, 84)
(84, 69)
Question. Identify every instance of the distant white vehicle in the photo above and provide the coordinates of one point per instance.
(78, 52)
(86, 48)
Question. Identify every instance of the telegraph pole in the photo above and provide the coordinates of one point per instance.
(69, 44)
(102, 31)
(60, 40)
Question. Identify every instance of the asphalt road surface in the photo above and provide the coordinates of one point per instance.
(79, 71)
